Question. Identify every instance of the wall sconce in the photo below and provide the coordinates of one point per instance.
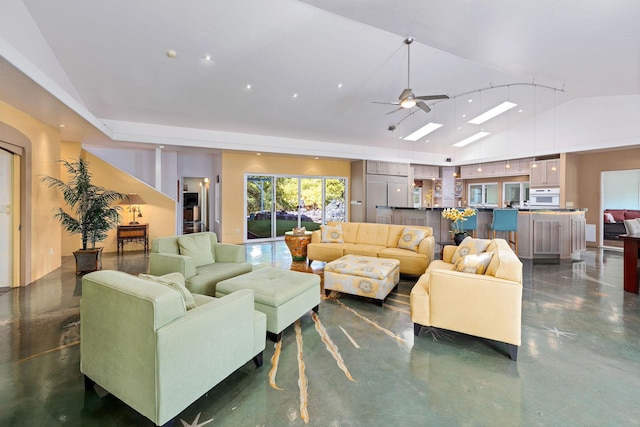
(134, 201)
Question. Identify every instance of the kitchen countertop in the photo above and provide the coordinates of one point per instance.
(527, 209)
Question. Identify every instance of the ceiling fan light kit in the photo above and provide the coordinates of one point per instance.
(407, 99)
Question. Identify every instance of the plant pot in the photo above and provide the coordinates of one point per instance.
(459, 237)
(88, 260)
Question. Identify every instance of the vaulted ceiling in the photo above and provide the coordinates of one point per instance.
(299, 77)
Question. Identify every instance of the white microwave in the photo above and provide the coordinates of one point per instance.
(544, 197)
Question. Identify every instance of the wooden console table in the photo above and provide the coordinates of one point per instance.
(631, 255)
(133, 233)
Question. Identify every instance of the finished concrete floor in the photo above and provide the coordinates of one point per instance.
(579, 363)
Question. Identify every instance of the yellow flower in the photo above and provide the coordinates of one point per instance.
(457, 216)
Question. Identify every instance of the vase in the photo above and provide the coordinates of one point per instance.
(459, 237)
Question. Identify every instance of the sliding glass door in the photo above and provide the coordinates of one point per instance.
(259, 206)
(277, 204)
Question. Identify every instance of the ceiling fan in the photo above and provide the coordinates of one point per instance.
(407, 99)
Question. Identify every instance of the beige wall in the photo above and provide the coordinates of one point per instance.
(159, 211)
(234, 167)
(589, 179)
(43, 232)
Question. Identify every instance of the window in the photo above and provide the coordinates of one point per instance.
(483, 195)
(515, 193)
(277, 204)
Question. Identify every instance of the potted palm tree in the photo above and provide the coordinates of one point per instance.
(92, 212)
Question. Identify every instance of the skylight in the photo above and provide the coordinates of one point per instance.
(471, 139)
(424, 130)
(490, 114)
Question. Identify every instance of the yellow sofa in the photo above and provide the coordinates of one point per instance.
(486, 305)
(375, 240)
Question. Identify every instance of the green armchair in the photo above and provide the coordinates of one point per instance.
(200, 258)
(140, 343)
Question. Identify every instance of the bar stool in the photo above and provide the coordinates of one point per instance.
(470, 224)
(506, 220)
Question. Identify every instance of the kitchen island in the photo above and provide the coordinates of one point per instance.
(542, 233)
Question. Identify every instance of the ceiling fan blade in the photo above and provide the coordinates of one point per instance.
(386, 103)
(430, 97)
(404, 94)
(423, 106)
(397, 109)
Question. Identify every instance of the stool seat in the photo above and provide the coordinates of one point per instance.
(470, 223)
(506, 220)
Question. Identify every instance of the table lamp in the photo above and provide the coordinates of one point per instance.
(134, 201)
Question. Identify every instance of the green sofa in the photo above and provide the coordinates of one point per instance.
(140, 343)
(209, 261)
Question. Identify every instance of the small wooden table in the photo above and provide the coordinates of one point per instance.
(631, 246)
(133, 233)
(297, 244)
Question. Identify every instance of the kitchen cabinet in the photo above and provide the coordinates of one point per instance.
(387, 168)
(551, 234)
(470, 171)
(518, 167)
(425, 172)
(496, 169)
(545, 174)
(493, 169)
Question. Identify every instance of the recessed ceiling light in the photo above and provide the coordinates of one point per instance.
(459, 127)
(208, 57)
(316, 158)
(470, 100)
(248, 86)
(493, 112)
(425, 130)
(62, 125)
(171, 53)
(464, 115)
(259, 154)
(520, 110)
(295, 95)
(161, 147)
(471, 139)
(339, 85)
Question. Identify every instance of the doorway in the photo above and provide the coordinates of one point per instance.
(6, 219)
(620, 190)
(195, 204)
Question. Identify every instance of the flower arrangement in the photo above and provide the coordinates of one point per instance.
(457, 216)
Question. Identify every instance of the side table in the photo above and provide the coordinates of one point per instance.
(132, 233)
(297, 244)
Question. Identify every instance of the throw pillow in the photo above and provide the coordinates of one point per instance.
(198, 247)
(411, 238)
(609, 218)
(331, 234)
(470, 246)
(174, 281)
(632, 226)
(476, 264)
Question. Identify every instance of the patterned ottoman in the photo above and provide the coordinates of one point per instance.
(283, 295)
(362, 275)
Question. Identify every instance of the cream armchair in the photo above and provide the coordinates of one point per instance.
(485, 305)
(139, 342)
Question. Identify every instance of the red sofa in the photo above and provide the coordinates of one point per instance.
(613, 229)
